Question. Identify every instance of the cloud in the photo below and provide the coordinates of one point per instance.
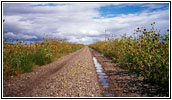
(154, 5)
(11, 35)
(77, 22)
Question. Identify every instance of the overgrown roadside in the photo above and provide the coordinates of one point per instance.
(124, 83)
(21, 58)
(71, 76)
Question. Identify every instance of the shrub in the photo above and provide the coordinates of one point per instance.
(147, 54)
(18, 58)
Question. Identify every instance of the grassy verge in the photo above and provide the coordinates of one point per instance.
(146, 54)
(18, 59)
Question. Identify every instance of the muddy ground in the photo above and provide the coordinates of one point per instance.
(124, 83)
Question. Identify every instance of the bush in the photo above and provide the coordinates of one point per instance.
(18, 58)
(147, 54)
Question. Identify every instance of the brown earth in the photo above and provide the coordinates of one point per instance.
(124, 83)
(73, 75)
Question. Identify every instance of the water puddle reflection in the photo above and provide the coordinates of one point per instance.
(102, 76)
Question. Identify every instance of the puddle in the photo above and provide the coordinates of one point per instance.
(102, 76)
(108, 94)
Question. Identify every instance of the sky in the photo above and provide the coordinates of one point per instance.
(80, 22)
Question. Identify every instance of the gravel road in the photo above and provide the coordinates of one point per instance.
(73, 75)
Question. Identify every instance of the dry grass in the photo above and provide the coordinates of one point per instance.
(18, 58)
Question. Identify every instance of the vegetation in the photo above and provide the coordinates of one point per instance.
(146, 54)
(18, 58)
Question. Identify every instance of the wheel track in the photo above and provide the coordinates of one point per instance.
(26, 83)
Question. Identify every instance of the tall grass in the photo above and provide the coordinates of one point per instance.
(18, 58)
(146, 54)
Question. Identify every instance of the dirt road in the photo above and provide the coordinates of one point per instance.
(73, 75)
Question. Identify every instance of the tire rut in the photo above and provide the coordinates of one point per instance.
(28, 81)
(73, 75)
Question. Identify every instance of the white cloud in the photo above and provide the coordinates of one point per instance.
(11, 35)
(160, 5)
(75, 21)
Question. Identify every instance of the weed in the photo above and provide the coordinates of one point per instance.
(147, 54)
(18, 58)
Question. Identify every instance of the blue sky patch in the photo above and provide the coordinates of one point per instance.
(112, 11)
(115, 10)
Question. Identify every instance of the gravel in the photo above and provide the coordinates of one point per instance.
(73, 75)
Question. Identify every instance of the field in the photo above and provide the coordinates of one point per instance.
(146, 53)
(18, 58)
(132, 66)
